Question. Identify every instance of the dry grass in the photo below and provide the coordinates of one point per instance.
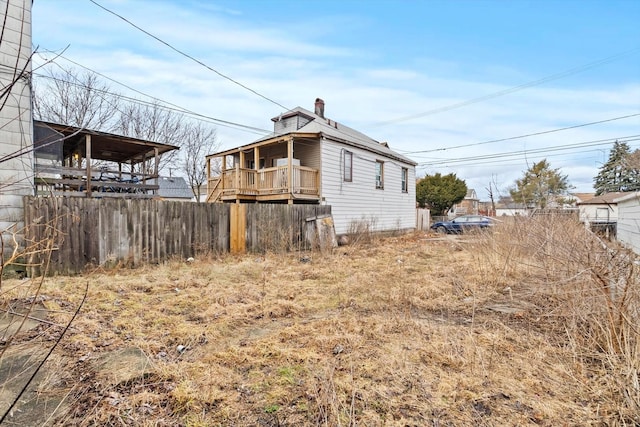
(518, 327)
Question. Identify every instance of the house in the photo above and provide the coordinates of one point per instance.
(628, 226)
(310, 158)
(600, 209)
(576, 198)
(511, 209)
(600, 213)
(173, 188)
(505, 206)
(468, 206)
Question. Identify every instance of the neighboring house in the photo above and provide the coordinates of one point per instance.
(601, 209)
(505, 206)
(174, 188)
(628, 227)
(468, 206)
(312, 159)
(576, 198)
(511, 209)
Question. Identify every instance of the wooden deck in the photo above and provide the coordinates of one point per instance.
(264, 185)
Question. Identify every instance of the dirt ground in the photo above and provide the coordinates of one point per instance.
(404, 331)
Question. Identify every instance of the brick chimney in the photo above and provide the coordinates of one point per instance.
(319, 107)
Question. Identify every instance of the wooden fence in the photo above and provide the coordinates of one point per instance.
(423, 219)
(132, 231)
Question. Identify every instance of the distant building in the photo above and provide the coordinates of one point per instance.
(174, 188)
(511, 209)
(468, 206)
(601, 209)
(576, 198)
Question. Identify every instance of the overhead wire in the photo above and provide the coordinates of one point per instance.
(513, 89)
(523, 136)
(186, 55)
(574, 146)
(489, 96)
(430, 164)
(165, 104)
(502, 164)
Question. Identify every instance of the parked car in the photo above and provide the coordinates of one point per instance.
(463, 223)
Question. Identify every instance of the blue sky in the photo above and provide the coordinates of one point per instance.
(381, 66)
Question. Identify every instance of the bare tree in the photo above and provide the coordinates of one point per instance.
(77, 99)
(633, 161)
(199, 140)
(152, 122)
(83, 100)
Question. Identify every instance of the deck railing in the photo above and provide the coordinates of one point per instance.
(264, 182)
(65, 181)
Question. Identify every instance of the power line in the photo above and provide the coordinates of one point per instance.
(501, 163)
(524, 136)
(165, 104)
(189, 56)
(574, 146)
(513, 89)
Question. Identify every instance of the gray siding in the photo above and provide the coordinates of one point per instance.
(385, 209)
(290, 124)
(16, 175)
(308, 153)
(628, 228)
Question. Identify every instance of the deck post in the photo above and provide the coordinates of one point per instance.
(237, 178)
(87, 140)
(156, 168)
(290, 168)
(223, 168)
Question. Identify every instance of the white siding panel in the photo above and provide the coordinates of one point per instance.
(290, 124)
(16, 175)
(285, 125)
(385, 209)
(599, 213)
(308, 152)
(628, 227)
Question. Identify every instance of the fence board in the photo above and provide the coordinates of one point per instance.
(134, 231)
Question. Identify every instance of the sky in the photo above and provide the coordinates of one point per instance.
(454, 85)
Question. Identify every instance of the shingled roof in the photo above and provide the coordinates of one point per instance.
(337, 132)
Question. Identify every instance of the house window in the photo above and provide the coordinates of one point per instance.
(348, 166)
(379, 174)
(405, 179)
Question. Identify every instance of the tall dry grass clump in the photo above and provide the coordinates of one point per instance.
(589, 288)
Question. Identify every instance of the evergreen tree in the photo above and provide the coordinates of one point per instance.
(440, 192)
(618, 173)
(539, 185)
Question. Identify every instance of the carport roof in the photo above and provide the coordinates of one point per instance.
(106, 146)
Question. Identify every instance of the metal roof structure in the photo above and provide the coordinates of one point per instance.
(104, 146)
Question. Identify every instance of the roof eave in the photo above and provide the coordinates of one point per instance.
(371, 149)
(275, 139)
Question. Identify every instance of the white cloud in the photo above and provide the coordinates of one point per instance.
(293, 65)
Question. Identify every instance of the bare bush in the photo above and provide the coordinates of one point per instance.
(589, 289)
(361, 231)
